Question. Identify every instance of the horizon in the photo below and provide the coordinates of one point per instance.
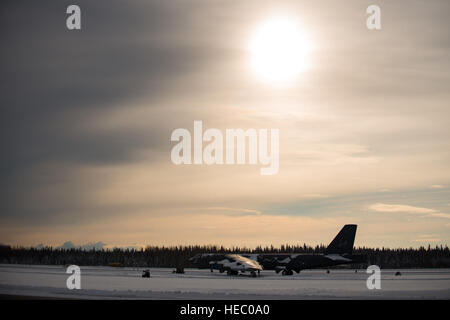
(87, 247)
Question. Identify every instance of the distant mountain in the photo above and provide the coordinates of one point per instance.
(88, 246)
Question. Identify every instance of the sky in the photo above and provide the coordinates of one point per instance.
(87, 118)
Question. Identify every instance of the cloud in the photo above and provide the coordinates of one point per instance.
(382, 207)
(239, 211)
(61, 87)
(440, 215)
(436, 186)
(401, 208)
(426, 240)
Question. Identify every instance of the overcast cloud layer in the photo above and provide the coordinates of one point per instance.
(87, 117)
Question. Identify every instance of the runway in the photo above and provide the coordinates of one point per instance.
(126, 283)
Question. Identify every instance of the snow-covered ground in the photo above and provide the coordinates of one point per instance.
(127, 283)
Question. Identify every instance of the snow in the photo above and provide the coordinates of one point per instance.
(127, 283)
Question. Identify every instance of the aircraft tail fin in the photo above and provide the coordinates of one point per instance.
(343, 242)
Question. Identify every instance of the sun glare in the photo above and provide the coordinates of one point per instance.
(278, 51)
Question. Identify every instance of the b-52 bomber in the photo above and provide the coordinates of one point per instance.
(339, 252)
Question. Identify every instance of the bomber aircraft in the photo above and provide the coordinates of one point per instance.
(339, 252)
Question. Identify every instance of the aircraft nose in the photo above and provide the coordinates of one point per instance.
(255, 265)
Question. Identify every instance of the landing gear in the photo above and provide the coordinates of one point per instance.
(253, 274)
(287, 272)
(232, 272)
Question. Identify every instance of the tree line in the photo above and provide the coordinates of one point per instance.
(176, 256)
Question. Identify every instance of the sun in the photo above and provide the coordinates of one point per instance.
(279, 51)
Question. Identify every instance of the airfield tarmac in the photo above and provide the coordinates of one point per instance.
(126, 283)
